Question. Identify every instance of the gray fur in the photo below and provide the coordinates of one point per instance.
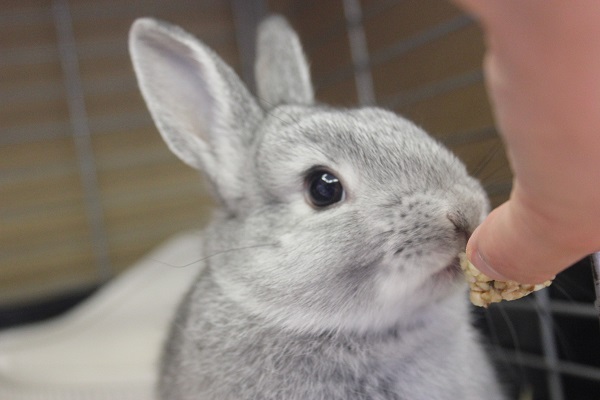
(282, 75)
(362, 300)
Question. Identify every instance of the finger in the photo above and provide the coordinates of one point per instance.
(508, 246)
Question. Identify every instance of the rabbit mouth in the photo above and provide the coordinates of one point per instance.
(451, 272)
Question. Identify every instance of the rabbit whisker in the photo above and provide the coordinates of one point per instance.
(214, 255)
(563, 343)
(512, 332)
(273, 107)
(486, 160)
(385, 233)
(558, 286)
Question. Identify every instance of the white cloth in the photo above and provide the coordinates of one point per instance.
(108, 347)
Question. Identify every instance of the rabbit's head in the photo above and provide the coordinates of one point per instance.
(332, 218)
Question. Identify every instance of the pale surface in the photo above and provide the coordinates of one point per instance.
(109, 346)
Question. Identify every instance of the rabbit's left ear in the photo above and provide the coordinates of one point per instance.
(200, 106)
(282, 73)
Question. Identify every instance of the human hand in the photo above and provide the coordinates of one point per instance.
(542, 71)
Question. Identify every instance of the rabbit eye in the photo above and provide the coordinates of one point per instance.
(323, 188)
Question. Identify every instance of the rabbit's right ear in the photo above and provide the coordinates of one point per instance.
(200, 106)
(282, 73)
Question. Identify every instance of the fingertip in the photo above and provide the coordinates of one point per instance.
(477, 257)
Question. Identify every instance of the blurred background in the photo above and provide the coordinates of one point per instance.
(87, 185)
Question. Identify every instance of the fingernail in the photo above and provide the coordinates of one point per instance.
(483, 266)
(478, 260)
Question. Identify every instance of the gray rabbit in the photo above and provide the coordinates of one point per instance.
(331, 269)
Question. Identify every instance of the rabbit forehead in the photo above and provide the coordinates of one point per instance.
(374, 143)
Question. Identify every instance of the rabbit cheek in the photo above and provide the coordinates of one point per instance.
(404, 288)
(421, 248)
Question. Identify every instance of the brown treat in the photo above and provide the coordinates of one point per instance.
(485, 290)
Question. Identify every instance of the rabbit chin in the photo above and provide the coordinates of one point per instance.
(415, 288)
(388, 313)
(400, 300)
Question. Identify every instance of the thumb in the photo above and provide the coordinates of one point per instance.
(512, 245)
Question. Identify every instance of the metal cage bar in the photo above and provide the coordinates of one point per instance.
(81, 136)
(359, 51)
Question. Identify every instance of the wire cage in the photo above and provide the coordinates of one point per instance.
(87, 186)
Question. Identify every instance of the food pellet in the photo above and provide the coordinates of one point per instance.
(485, 290)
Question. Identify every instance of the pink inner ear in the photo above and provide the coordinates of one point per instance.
(177, 83)
(201, 108)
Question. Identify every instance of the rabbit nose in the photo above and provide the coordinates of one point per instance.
(461, 225)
